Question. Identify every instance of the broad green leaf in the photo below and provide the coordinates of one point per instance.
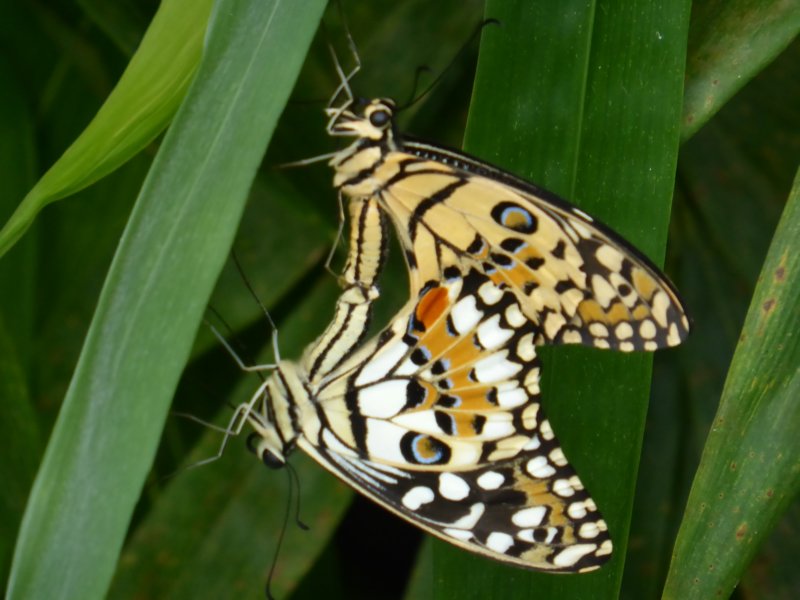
(588, 97)
(171, 253)
(138, 109)
(749, 472)
(193, 548)
(730, 42)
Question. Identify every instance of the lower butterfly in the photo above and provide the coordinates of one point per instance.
(437, 418)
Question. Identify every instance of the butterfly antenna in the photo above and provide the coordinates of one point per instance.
(290, 473)
(261, 305)
(458, 55)
(293, 475)
(417, 76)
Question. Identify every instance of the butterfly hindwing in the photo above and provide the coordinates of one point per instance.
(438, 419)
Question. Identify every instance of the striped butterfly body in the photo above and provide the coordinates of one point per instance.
(575, 279)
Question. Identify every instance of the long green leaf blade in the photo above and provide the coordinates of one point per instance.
(590, 95)
(106, 434)
(730, 42)
(139, 108)
(749, 471)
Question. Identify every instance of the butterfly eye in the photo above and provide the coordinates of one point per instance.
(272, 461)
(379, 118)
(267, 457)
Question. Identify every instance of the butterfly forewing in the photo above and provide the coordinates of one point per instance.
(578, 280)
(440, 422)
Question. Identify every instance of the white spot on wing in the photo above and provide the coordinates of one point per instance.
(562, 487)
(673, 338)
(610, 258)
(572, 554)
(623, 331)
(490, 293)
(660, 306)
(514, 315)
(459, 534)
(598, 330)
(491, 480)
(529, 517)
(589, 530)
(557, 457)
(540, 468)
(384, 399)
(417, 496)
(465, 315)
(423, 421)
(453, 487)
(498, 426)
(495, 368)
(334, 444)
(526, 349)
(647, 329)
(511, 397)
(603, 292)
(380, 365)
(499, 541)
(491, 335)
(383, 441)
(576, 510)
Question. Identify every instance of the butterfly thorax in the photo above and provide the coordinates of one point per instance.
(358, 166)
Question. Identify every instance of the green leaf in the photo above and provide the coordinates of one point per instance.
(170, 255)
(733, 178)
(186, 548)
(589, 100)
(749, 472)
(731, 41)
(139, 108)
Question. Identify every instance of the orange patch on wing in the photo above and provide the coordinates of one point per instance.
(538, 495)
(641, 312)
(618, 313)
(431, 306)
(443, 345)
(590, 312)
(645, 285)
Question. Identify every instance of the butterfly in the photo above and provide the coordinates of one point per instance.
(576, 279)
(437, 417)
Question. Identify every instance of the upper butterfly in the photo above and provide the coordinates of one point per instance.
(576, 280)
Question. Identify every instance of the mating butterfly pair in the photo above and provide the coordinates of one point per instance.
(438, 417)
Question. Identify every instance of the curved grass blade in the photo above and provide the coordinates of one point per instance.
(750, 471)
(730, 42)
(169, 257)
(591, 99)
(138, 109)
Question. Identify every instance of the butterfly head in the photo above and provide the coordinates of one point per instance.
(373, 119)
(266, 444)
